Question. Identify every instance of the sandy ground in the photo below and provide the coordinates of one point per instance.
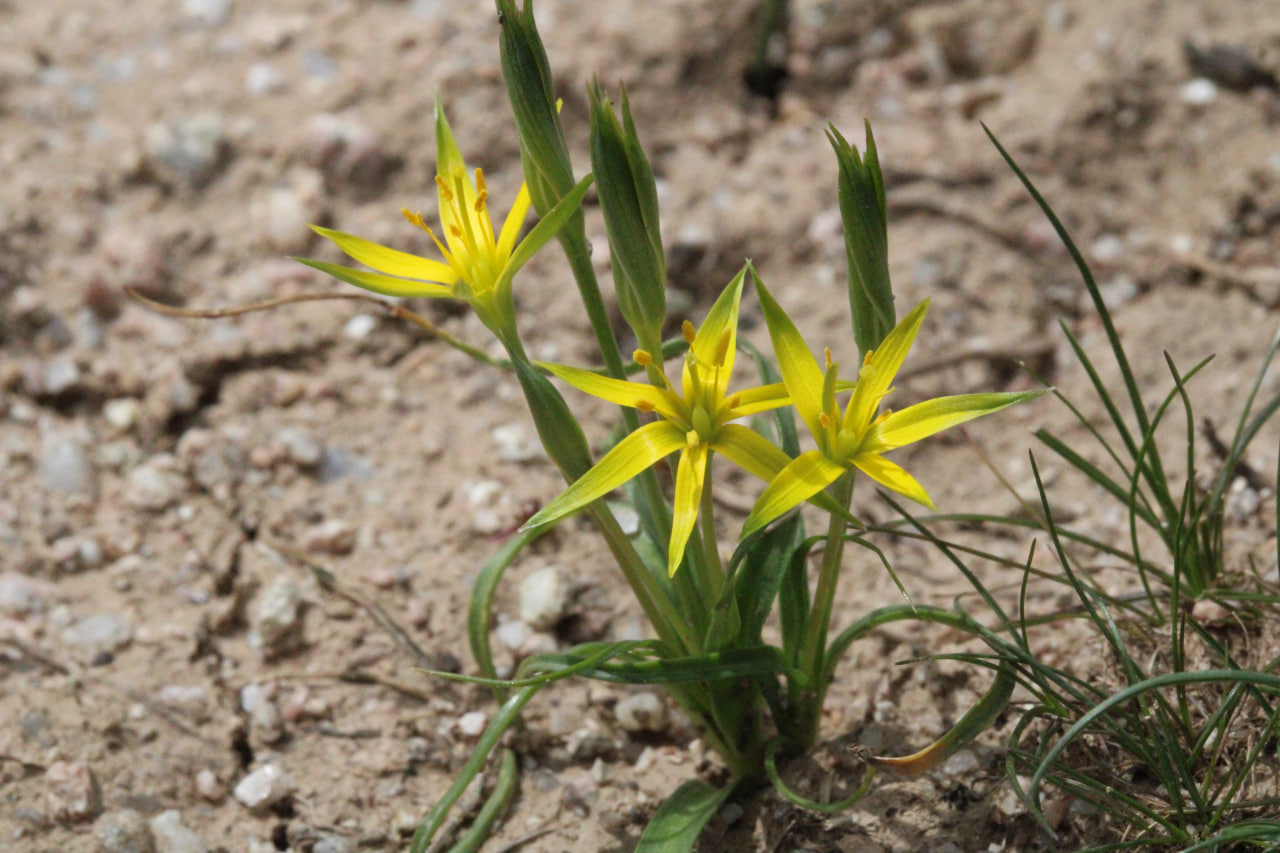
(159, 645)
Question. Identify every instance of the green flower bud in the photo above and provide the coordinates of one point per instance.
(561, 435)
(866, 240)
(629, 200)
(543, 152)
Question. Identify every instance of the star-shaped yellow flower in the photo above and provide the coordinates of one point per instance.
(859, 437)
(478, 265)
(696, 421)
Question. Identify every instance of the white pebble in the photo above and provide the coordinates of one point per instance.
(264, 787)
(512, 634)
(544, 597)
(1199, 92)
(641, 712)
(360, 327)
(172, 836)
(208, 786)
(472, 724)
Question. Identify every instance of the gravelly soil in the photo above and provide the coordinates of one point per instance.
(160, 638)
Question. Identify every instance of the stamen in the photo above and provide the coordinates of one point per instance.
(455, 231)
(645, 406)
(691, 439)
(481, 198)
(686, 331)
(825, 420)
(827, 350)
(415, 218)
(733, 401)
(642, 357)
(445, 192)
(480, 181)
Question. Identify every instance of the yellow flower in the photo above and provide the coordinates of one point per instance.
(858, 437)
(696, 421)
(479, 264)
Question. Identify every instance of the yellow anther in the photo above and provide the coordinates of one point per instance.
(645, 406)
(455, 231)
(445, 192)
(825, 420)
(481, 199)
(867, 370)
(414, 217)
(827, 351)
(642, 357)
(733, 401)
(722, 347)
(480, 181)
(691, 439)
(686, 331)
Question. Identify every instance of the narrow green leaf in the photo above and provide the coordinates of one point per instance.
(481, 607)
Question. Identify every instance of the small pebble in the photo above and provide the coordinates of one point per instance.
(125, 831)
(264, 715)
(122, 413)
(21, 595)
(641, 712)
(512, 633)
(156, 484)
(544, 598)
(64, 464)
(206, 13)
(278, 620)
(171, 836)
(61, 375)
(472, 724)
(264, 787)
(193, 700)
(333, 536)
(102, 632)
(74, 792)
(302, 448)
(208, 786)
(360, 327)
(1200, 92)
(333, 844)
(962, 763)
(262, 78)
(194, 148)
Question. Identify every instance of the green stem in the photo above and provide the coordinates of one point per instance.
(812, 657)
(656, 514)
(666, 620)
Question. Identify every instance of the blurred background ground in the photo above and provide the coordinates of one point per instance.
(167, 672)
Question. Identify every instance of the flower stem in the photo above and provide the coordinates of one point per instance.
(813, 654)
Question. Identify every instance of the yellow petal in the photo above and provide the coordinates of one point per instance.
(514, 222)
(628, 458)
(618, 391)
(932, 416)
(762, 398)
(806, 475)
(379, 283)
(390, 261)
(690, 475)
(800, 372)
(876, 375)
(892, 476)
(750, 451)
(715, 342)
